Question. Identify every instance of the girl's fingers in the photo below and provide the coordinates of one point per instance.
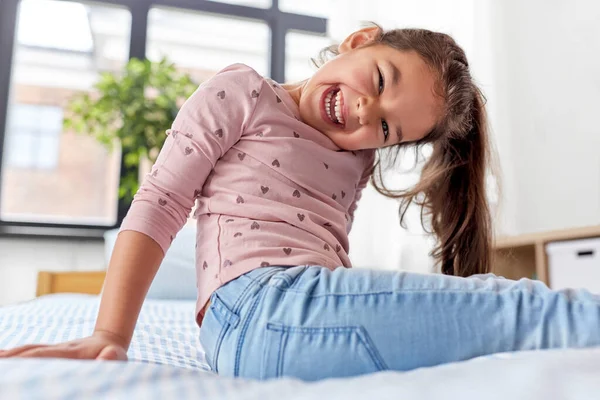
(48, 352)
(73, 350)
(18, 350)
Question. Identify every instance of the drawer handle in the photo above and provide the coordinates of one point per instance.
(586, 253)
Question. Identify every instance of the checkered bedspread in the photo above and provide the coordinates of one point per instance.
(166, 362)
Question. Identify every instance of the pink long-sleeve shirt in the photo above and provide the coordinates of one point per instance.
(270, 189)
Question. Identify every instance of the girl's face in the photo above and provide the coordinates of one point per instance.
(370, 97)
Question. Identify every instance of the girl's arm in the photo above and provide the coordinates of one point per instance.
(133, 265)
(132, 268)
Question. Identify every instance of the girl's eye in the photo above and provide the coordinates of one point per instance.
(381, 81)
(384, 125)
(386, 129)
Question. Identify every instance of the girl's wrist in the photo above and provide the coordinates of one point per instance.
(113, 337)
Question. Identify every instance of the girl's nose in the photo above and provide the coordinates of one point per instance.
(366, 110)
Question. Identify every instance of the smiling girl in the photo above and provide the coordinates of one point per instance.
(276, 172)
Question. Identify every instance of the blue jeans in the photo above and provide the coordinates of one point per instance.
(312, 323)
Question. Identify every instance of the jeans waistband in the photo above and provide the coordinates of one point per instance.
(236, 292)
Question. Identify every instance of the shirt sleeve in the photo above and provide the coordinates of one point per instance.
(364, 180)
(208, 124)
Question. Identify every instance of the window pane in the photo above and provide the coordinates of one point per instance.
(32, 136)
(46, 153)
(316, 8)
(300, 47)
(20, 155)
(49, 175)
(203, 44)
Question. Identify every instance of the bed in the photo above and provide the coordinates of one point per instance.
(167, 361)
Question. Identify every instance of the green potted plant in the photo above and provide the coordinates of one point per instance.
(132, 109)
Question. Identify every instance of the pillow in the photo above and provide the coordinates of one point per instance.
(176, 277)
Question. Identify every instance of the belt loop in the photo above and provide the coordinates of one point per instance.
(223, 313)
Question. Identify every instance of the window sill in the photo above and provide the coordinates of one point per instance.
(51, 232)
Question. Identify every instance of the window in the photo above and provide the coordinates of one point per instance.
(40, 25)
(202, 44)
(75, 176)
(50, 50)
(300, 48)
(33, 136)
(318, 8)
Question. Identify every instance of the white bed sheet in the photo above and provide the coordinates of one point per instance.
(166, 332)
(167, 363)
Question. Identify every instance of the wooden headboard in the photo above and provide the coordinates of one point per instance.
(88, 282)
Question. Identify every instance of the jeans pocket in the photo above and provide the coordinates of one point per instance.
(313, 353)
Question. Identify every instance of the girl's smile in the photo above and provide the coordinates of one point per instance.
(333, 109)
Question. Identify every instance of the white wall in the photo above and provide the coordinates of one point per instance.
(21, 259)
(489, 59)
(548, 80)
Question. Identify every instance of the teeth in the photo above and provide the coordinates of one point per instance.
(337, 114)
(338, 107)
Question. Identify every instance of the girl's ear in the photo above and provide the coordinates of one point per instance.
(359, 38)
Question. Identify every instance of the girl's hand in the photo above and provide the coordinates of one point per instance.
(99, 346)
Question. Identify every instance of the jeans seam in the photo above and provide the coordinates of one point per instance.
(297, 277)
(243, 330)
(282, 344)
(277, 327)
(242, 297)
(229, 317)
(217, 347)
(365, 339)
(382, 292)
(256, 280)
(407, 291)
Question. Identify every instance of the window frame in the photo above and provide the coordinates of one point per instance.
(279, 22)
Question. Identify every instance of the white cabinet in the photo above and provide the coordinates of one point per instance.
(574, 264)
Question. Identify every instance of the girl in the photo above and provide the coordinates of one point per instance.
(276, 173)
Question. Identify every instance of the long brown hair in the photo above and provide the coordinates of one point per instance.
(451, 190)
